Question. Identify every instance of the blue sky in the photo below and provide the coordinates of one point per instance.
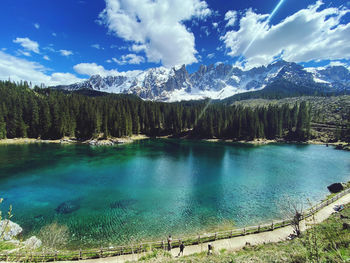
(61, 42)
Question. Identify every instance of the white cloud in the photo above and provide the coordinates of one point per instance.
(205, 29)
(157, 26)
(91, 69)
(97, 46)
(339, 63)
(54, 34)
(49, 48)
(46, 58)
(66, 53)
(27, 44)
(129, 59)
(138, 48)
(309, 34)
(36, 25)
(215, 25)
(21, 69)
(63, 79)
(231, 17)
(211, 55)
(24, 53)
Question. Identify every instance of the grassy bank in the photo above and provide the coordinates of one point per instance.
(221, 240)
(328, 241)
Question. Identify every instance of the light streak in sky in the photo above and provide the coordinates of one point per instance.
(274, 11)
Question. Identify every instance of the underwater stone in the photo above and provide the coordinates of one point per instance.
(123, 204)
(67, 207)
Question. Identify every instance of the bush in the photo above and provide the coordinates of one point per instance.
(54, 236)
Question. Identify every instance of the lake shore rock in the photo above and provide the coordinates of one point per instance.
(335, 188)
(9, 229)
(116, 141)
(95, 142)
(32, 243)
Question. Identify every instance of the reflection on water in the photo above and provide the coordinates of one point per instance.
(151, 188)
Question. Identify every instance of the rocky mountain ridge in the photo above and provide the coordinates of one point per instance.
(214, 81)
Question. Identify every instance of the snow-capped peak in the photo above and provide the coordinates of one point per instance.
(217, 81)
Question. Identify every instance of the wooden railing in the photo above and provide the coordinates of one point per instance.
(149, 246)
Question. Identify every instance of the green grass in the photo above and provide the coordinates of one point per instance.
(6, 245)
(326, 242)
(155, 254)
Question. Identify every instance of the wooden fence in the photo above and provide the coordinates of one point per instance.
(149, 246)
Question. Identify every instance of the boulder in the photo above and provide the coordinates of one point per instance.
(339, 147)
(32, 243)
(9, 229)
(335, 188)
(68, 207)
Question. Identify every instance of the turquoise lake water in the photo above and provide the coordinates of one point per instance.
(151, 188)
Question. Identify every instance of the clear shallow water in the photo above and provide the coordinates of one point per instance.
(151, 188)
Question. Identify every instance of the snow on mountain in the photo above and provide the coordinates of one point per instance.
(214, 81)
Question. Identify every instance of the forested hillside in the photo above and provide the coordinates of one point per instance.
(280, 89)
(51, 114)
(330, 116)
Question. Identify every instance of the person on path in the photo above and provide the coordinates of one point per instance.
(182, 247)
(210, 249)
(169, 242)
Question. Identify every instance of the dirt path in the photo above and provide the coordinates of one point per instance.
(235, 243)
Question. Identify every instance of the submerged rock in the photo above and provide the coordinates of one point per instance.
(9, 229)
(68, 207)
(335, 188)
(32, 243)
(123, 204)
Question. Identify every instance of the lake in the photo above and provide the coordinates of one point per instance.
(152, 188)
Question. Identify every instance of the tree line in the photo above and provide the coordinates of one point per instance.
(52, 114)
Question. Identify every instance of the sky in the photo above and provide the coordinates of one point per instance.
(67, 41)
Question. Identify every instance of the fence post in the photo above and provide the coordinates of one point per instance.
(199, 239)
(55, 258)
(244, 232)
(272, 226)
(258, 228)
(231, 234)
(215, 236)
(80, 254)
(163, 244)
(101, 252)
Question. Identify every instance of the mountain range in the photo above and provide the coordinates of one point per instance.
(218, 81)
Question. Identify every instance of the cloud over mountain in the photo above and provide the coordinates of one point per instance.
(313, 33)
(18, 69)
(156, 27)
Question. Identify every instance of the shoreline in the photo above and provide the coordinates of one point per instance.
(93, 142)
(234, 243)
(126, 140)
